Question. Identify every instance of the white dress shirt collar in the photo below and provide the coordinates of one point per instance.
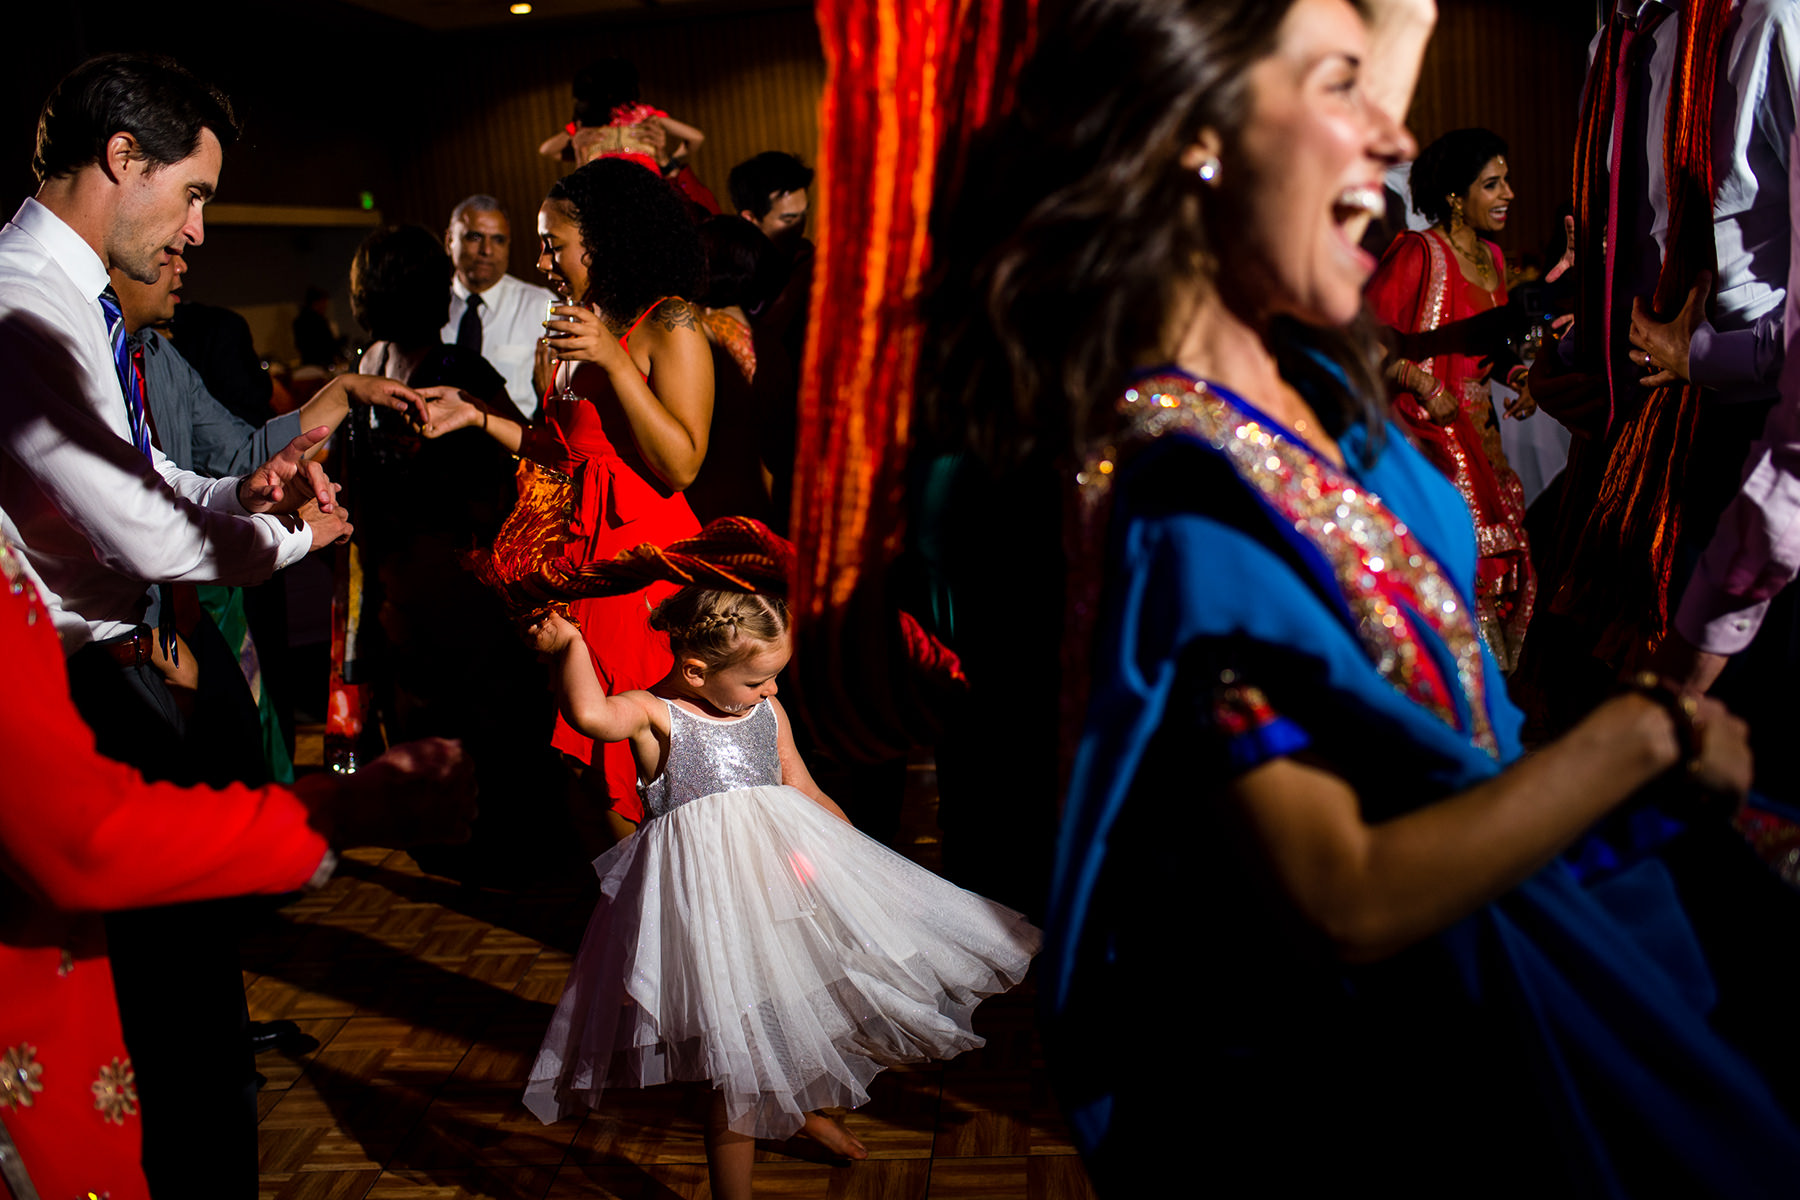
(66, 248)
(494, 291)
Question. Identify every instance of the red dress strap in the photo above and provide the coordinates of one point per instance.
(642, 315)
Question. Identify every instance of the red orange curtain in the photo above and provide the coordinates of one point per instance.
(906, 82)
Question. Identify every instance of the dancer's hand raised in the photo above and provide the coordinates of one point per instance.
(552, 634)
(290, 479)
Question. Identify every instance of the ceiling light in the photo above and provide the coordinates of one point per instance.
(518, 10)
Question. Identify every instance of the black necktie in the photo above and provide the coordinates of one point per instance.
(468, 332)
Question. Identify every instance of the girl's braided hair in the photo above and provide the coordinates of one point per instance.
(719, 628)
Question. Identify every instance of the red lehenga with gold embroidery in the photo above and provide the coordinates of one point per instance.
(81, 835)
(1416, 289)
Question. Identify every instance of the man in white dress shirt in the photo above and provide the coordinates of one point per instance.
(128, 152)
(497, 315)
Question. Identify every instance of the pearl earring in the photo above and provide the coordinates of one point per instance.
(1209, 170)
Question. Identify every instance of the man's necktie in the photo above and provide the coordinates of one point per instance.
(468, 331)
(131, 383)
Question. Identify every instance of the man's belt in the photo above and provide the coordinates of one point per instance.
(130, 649)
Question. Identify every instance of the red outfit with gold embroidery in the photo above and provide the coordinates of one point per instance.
(619, 506)
(1417, 288)
(79, 835)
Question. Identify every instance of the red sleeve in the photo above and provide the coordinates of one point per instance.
(87, 833)
(1499, 265)
(1396, 288)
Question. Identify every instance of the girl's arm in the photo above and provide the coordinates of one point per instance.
(793, 768)
(682, 131)
(1373, 890)
(584, 702)
(670, 424)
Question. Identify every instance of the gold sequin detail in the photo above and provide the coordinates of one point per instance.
(1358, 535)
(21, 1077)
(115, 1092)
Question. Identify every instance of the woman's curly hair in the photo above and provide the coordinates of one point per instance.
(636, 237)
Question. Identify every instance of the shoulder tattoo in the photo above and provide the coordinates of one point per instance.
(675, 314)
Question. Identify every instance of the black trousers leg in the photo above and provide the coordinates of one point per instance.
(175, 968)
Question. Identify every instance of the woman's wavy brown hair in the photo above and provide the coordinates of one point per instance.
(1059, 254)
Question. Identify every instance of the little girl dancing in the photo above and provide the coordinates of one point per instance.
(747, 934)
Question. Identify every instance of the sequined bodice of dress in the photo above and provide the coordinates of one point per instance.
(708, 755)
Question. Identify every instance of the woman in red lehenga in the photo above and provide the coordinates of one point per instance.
(1435, 286)
(628, 415)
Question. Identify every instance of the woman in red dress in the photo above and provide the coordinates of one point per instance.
(627, 416)
(1431, 290)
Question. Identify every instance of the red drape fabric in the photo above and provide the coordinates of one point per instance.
(1610, 571)
(908, 82)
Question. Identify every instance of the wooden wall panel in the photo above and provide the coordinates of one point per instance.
(1516, 67)
(750, 83)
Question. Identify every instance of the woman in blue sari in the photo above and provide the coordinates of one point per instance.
(1309, 925)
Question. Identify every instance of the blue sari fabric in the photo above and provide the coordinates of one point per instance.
(1555, 1040)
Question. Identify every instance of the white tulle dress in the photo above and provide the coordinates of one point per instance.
(748, 937)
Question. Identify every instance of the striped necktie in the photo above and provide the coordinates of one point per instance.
(131, 383)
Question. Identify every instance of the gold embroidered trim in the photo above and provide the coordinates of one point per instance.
(1358, 535)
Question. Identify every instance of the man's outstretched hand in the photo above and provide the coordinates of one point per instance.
(288, 481)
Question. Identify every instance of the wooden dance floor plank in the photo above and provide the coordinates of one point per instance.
(428, 999)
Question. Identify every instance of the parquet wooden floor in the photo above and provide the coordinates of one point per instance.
(427, 998)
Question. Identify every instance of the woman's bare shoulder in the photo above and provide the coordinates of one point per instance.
(675, 313)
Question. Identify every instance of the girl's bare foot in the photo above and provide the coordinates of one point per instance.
(834, 1137)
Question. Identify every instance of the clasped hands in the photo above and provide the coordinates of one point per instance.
(294, 483)
(1661, 347)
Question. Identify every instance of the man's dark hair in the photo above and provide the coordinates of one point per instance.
(153, 98)
(755, 182)
(742, 266)
(400, 285)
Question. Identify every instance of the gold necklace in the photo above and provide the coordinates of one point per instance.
(1481, 261)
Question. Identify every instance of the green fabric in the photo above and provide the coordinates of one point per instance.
(225, 606)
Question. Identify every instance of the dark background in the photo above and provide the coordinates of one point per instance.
(338, 100)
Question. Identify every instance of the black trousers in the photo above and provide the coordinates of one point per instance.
(175, 968)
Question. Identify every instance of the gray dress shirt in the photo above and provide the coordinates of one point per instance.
(196, 431)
